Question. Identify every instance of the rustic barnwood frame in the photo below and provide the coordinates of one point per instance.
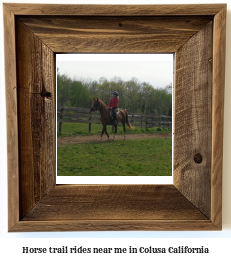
(33, 34)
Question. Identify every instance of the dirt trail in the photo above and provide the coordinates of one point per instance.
(61, 141)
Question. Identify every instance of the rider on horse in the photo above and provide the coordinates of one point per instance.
(113, 105)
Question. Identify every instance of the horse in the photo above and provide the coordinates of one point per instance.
(106, 118)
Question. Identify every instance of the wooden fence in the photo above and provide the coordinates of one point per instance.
(83, 115)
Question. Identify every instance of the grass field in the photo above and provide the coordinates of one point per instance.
(148, 157)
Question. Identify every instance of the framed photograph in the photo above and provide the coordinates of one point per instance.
(143, 85)
(34, 34)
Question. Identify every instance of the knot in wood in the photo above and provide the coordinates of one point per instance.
(198, 158)
(45, 94)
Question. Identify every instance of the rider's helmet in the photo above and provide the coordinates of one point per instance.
(115, 93)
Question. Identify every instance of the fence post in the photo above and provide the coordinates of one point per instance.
(89, 125)
(61, 117)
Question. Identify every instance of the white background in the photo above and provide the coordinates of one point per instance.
(218, 242)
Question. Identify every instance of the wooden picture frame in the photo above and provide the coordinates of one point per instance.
(33, 34)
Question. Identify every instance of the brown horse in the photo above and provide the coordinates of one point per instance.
(106, 118)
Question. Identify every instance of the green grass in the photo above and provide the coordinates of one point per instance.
(148, 157)
(74, 129)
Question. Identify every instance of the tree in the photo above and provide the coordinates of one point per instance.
(135, 96)
(63, 84)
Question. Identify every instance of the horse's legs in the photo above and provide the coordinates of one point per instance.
(106, 132)
(124, 127)
(103, 130)
(115, 126)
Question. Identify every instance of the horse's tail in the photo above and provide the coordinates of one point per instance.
(127, 121)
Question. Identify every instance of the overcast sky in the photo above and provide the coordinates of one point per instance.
(156, 69)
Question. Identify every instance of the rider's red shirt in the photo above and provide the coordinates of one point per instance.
(114, 102)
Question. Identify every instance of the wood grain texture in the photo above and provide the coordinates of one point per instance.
(114, 225)
(12, 121)
(115, 34)
(218, 114)
(193, 113)
(114, 207)
(113, 202)
(194, 201)
(115, 10)
(36, 106)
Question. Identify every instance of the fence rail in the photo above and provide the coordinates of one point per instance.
(83, 115)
